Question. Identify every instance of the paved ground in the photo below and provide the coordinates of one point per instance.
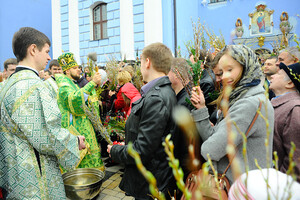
(110, 188)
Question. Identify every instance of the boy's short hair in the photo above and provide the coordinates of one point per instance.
(123, 77)
(10, 61)
(272, 57)
(181, 66)
(25, 37)
(53, 62)
(160, 56)
(216, 59)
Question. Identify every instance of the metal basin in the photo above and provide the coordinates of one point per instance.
(83, 183)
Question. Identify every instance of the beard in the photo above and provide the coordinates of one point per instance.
(76, 77)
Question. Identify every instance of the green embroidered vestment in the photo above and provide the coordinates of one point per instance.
(30, 129)
(70, 100)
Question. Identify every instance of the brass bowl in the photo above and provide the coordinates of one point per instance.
(83, 183)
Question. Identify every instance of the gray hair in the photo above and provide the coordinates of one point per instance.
(287, 78)
(293, 51)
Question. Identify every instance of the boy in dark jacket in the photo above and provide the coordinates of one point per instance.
(147, 126)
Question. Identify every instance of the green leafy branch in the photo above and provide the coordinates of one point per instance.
(177, 170)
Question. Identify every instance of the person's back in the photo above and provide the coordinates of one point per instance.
(144, 111)
(123, 77)
(130, 94)
(147, 126)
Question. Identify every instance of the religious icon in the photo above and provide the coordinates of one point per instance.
(261, 20)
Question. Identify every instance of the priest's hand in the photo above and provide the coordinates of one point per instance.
(97, 78)
(81, 144)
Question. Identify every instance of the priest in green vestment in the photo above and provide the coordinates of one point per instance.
(70, 101)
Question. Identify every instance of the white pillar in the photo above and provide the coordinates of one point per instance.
(126, 30)
(56, 29)
(74, 29)
(153, 21)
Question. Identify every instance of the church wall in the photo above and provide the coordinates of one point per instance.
(222, 17)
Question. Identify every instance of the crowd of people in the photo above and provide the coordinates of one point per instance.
(46, 131)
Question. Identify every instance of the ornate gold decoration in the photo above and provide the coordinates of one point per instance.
(260, 7)
(238, 22)
(284, 16)
(284, 40)
(261, 40)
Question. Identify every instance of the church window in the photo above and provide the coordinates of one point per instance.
(100, 21)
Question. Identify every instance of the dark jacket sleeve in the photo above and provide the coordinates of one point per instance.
(208, 87)
(150, 132)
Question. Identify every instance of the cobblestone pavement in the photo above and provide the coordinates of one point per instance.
(110, 188)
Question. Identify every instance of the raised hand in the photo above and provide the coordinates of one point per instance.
(197, 98)
(97, 78)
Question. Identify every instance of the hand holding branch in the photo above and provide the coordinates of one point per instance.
(197, 98)
(97, 78)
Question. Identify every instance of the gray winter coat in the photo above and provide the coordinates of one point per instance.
(242, 112)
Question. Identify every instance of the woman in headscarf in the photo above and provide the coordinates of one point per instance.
(241, 70)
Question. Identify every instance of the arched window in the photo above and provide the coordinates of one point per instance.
(100, 22)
